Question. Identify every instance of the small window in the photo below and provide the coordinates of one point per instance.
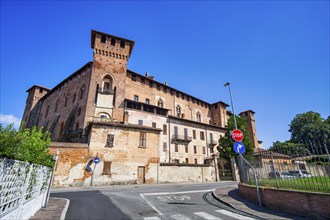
(195, 161)
(160, 103)
(186, 148)
(66, 100)
(164, 147)
(158, 87)
(195, 149)
(187, 161)
(164, 129)
(202, 136)
(211, 150)
(106, 168)
(56, 105)
(140, 122)
(74, 98)
(147, 101)
(110, 139)
(176, 148)
(79, 111)
(41, 90)
(113, 41)
(122, 44)
(142, 80)
(151, 84)
(143, 137)
(136, 98)
(194, 134)
(154, 124)
(82, 92)
(198, 117)
(133, 77)
(103, 38)
(178, 111)
(204, 151)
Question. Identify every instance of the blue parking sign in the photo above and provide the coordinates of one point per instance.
(96, 160)
(239, 147)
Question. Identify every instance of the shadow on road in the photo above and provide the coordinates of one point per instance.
(91, 205)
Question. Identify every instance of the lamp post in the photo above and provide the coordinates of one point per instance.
(232, 103)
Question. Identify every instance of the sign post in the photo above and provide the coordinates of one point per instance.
(96, 161)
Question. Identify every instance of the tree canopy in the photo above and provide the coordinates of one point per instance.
(226, 143)
(29, 145)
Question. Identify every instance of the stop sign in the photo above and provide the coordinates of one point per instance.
(237, 135)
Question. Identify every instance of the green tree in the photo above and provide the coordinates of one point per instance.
(310, 129)
(289, 148)
(226, 143)
(29, 145)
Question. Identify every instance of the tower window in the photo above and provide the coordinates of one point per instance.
(113, 41)
(178, 111)
(74, 98)
(56, 105)
(198, 117)
(122, 44)
(82, 92)
(160, 103)
(110, 139)
(103, 38)
(143, 137)
(195, 149)
(147, 101)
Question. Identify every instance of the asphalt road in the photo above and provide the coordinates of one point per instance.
(148, 202)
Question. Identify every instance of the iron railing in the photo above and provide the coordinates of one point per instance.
(307, 168)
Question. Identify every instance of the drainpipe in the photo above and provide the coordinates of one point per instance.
(169, 140)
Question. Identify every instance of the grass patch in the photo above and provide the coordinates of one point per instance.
(312, 184)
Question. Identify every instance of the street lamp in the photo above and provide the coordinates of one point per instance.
(232, 104)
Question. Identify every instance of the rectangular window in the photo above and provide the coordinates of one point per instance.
(211, 150)
(151, 84)
(154, 124)
(195, 161)
(211, 137)
(133, 78)
(103, 38)
(147, 101)
(113, 41)
(164, 129)
(164, 146)
(185, 133)
(202, 136)
(158, 87)
(106, 168)
(204, 151)
(122, 44)
(110, 139)
(176, 148)
(140, 122)
(136, 98)
(77, 125)
(175, 131)
(186, 148)
(195, 149)
(187, 160)
(194, 134)
(143, 137)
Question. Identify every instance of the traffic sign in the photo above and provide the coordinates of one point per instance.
(239, 147)
(237, 135)
(96, 160)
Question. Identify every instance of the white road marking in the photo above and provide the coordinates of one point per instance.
(206, 216)
(151, 218)
(151, 205)
(179, 217)
(233, 215)
(174, 193)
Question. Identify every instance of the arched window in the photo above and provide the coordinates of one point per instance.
(103, 115)
(56, 105)
(178, 111)
(198, 117)
(74, 98)
(82, 92)
(107, 84)
(66, 100)
(160, 103)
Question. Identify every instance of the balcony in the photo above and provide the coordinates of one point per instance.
(212, 143)
(106, 91)
(184, 139)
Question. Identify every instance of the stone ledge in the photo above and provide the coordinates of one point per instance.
(68, 145)
(185, 165)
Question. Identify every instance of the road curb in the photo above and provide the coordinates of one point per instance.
(221, 200)
(66, 207)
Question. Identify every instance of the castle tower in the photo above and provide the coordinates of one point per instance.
(219, 111)
(108, 80)
(251, 126)
(35, 93)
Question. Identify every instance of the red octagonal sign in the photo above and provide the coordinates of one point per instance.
(237, 135)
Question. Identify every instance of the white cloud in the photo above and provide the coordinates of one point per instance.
(10, 119)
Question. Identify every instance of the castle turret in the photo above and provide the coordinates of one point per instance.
(30, 115)
(251, 126)
(111, 54)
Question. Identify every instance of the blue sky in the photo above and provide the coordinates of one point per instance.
(275, 54)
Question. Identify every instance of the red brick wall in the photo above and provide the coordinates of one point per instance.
(302, 203)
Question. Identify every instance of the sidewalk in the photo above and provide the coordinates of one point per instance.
(231, 197)
(56, 209)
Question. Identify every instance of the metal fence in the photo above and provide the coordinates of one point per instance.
(305, 167)
(23, 188)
